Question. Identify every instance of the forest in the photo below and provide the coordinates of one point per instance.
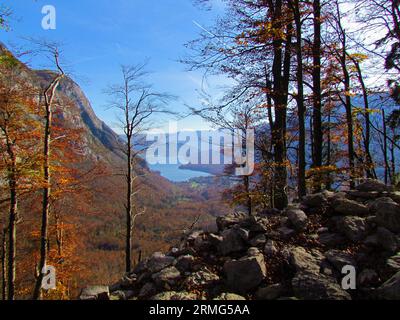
(318, 81)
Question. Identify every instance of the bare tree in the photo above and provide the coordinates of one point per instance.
(136, 102)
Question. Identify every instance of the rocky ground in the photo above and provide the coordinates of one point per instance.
(298, 253)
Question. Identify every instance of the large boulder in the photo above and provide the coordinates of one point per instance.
(231, 242)
(354, 228)
(388, 216)
(393, 263)
(172, 295)
(245, 274)
(339, 259)
(349, 207)
(373, 185)
(95, 293)
(230, 297)
(185, 263)
(201, 278)
(271, 292)
(315, 200)
(166, 278)
(148, 290)
(390, 290)
(228, 221)
(302, 260)
(159, 261)
(297, 218)
(387, 240)
(311, 286)
(331, 239)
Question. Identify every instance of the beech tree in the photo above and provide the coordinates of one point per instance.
(18, 133)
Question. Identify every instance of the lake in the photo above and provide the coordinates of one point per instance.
(173, 173)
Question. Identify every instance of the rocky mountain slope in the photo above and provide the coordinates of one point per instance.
(298, 253)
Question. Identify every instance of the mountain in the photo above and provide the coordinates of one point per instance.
(97, 215)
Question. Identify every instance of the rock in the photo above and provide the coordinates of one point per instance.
(368, 278)
(245, 234)
(232, 242)
(245, 274)
(311, 286)
(395, 196)
(253, 224)
(331, 239)
(315, 200)
(373, 206)
(172, 295)
(339, 259)
(354, 194)
(148, 290)
(127, 281)
(387, 240)
(388, 216)
(122, 295)
(166, 277)
(214, 239)
(298, 219)
(302, 260)
(393, 263)
(270, 248)
(159, 261)
(286, 233)
(258, 240)
(390, 290)
(271, 292)
(140, 267)
(227, 221)
(373, 185)
(349, 207)
(230, 297)
(201, 278)
(95, 293)
(372, 240)
(184, 263)
(354, 228)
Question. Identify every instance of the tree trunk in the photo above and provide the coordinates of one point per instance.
(4, 265)
(385, 147)
(317, 94)
(280, 96)
(302, 190)
(370, 170)
(44, 248)
(128, 249)
(12, 227)
(246, 182)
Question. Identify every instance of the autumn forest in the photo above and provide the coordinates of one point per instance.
(318, 81)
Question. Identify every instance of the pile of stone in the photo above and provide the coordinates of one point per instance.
(303, 252)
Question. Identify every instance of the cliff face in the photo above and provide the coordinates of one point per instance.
(104, 135)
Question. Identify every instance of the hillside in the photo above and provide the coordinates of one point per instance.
(331, 246)
(97, 215)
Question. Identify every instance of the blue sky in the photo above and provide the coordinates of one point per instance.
(100, 35)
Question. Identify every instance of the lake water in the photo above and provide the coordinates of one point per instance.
(173, 173)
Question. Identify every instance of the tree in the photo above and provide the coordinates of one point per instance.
(49, 95)
(137, 102)
(296, 6)
(317, 93)
(18, 134)
(5, 14)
